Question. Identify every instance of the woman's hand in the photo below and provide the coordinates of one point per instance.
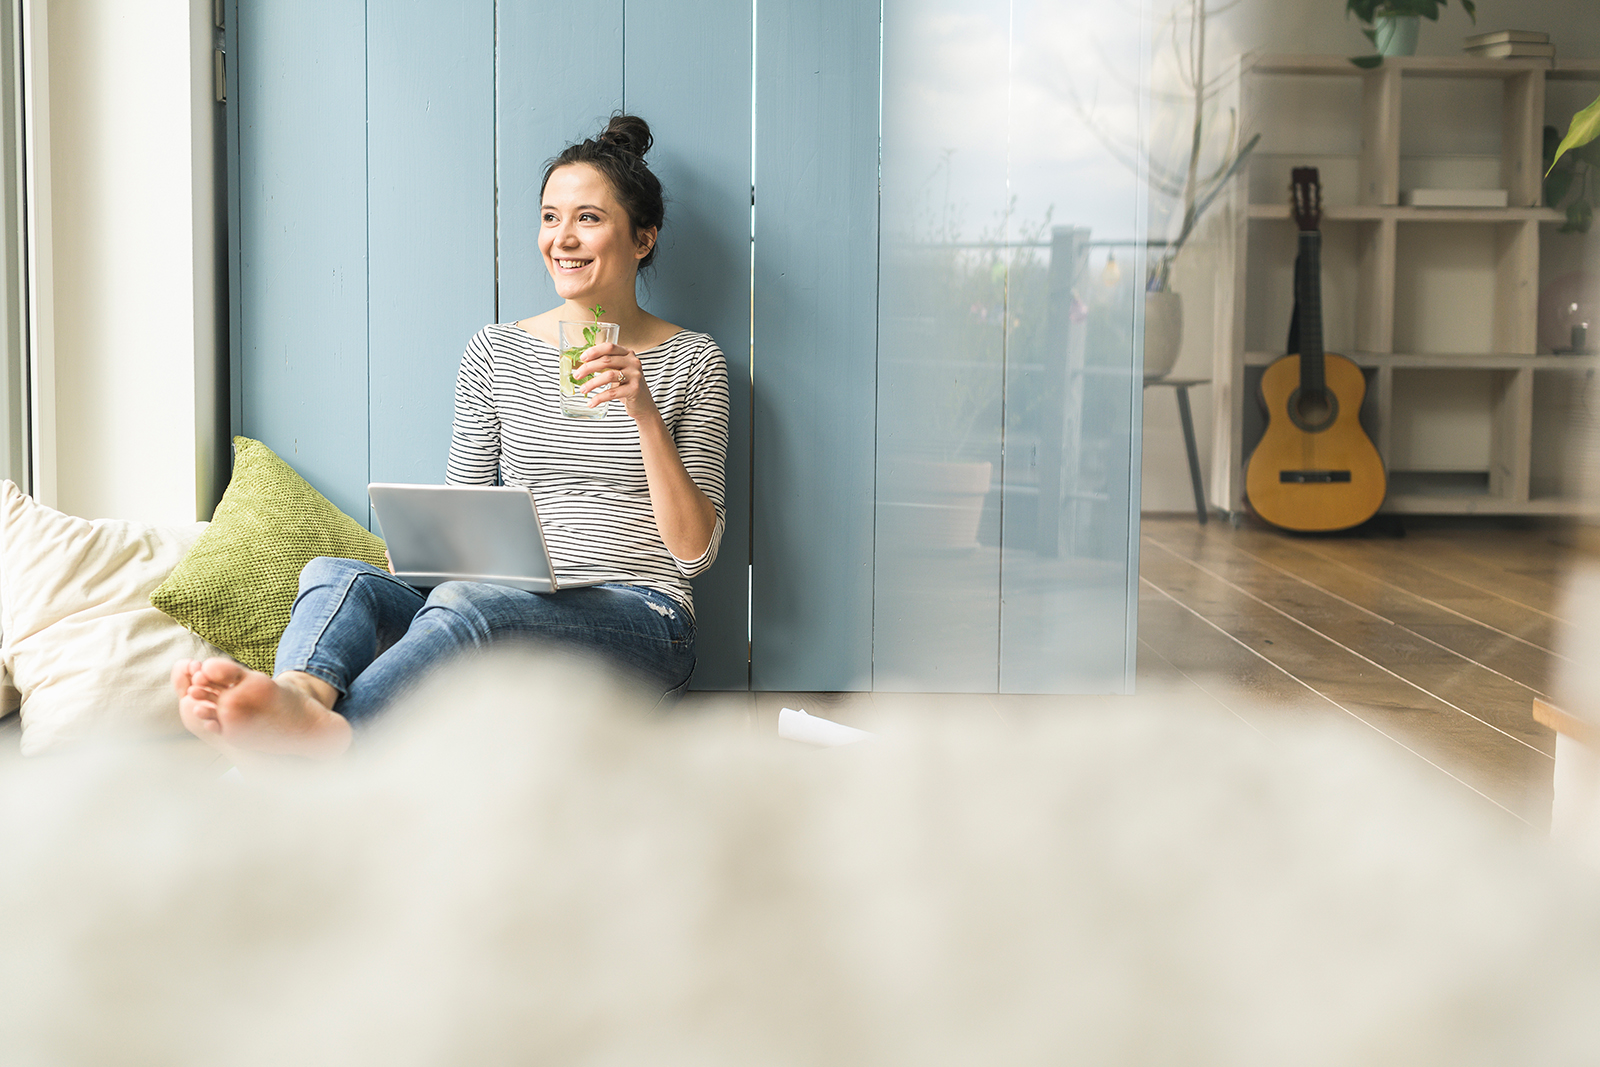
(618, 375)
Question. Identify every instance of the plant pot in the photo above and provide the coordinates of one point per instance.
(1163, 332)
(1396, 34)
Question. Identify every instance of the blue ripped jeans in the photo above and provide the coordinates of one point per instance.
(372, 637)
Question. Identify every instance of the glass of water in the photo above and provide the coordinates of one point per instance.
(577, 338)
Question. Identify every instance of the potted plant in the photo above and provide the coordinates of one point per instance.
(1391, 25)
(1208, 155)
(1193, 186)
(1573, 174)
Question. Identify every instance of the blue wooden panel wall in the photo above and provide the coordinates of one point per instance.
(430, 211)
(386, 205)
(690, 78)
(302, 284)
(546, 97)
(816, 297)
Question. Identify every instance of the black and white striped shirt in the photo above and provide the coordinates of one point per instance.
(587, 476)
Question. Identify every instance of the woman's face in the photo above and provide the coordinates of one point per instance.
(584, 235)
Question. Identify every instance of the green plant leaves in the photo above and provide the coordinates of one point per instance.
(1585, 127)
(1369, 10)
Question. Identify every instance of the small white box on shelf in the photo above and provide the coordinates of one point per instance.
(1454, 198)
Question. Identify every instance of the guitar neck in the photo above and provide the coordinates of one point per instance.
(1308, 291)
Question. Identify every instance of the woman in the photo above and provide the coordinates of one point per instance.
(634, 499)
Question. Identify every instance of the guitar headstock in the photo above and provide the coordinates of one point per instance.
(1306, 202)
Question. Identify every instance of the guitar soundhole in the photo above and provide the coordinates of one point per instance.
(1313, 412)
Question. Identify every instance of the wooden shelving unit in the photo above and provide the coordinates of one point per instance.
(1369, 221)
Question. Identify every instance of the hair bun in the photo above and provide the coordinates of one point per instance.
(627, 133)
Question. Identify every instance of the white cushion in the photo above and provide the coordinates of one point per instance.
(82, 645)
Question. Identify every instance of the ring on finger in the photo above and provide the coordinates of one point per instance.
(622, 378)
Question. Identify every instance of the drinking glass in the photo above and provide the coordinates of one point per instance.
(577, 338)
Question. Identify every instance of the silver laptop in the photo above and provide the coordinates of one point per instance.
(465, 533)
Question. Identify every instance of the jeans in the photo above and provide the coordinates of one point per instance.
(373, 637)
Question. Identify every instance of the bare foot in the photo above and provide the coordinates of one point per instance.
(233, 707)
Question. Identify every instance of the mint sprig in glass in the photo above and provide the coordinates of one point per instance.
(576, 338)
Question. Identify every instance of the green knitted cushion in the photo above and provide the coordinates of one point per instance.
(235, 586)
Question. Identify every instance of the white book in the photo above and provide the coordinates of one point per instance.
(1514, 50)
(1503, 36)
(1454, 198)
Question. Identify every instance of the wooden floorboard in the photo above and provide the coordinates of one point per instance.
(1420, 571)
(1428, 667)
(1467, 629)
(1440, 642)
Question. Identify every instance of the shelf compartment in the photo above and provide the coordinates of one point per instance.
(1564, 417)
(1269, 286)
(1464, 289)
(1441, 420)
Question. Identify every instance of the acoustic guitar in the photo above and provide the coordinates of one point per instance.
(1315, 469)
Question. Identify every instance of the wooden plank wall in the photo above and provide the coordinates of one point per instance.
(816, 312)
(545, 99)
(387, 171)
(430, 219)
(690, 77)
(302, 281)
(372, 155)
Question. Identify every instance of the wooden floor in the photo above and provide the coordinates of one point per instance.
(1438, 640)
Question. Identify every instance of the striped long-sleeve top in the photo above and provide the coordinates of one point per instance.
(587, 476)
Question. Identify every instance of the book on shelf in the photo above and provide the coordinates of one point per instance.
(1514, 50)
(1505, 37)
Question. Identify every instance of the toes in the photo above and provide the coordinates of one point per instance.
(203, 702)
(221, 673)
(199, 717)
(182, 672)
(200, 689)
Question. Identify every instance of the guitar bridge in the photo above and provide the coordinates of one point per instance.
(1313, 477)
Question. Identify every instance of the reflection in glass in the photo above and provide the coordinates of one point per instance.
(1007, 385)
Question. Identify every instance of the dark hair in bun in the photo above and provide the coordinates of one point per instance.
(618, 154)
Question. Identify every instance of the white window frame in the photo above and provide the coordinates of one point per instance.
(35, 55)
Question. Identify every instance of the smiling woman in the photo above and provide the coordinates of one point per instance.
(632, 508)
